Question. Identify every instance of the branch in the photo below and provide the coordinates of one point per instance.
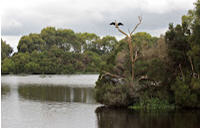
(109, 74)
(140, 21)
(190, 59)
(143, 77)
(129, 32)
(121, 31)
(136, 55)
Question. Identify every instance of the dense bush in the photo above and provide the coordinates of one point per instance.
(114, 95)
(187, 92)
(6, 50)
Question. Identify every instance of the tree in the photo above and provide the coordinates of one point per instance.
(131, 48)
(20, 60)
(6, 50)
(8, 66)
(183, 43)
(89, 41)
(107, 44)
(194, 53)
(48, 34)
(30, 43)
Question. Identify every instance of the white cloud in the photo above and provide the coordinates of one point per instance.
(12, 41)
(20, 17)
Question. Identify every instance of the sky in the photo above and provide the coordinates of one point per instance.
(21, 17)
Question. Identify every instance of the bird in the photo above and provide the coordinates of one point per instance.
(113, 23)
(120, 24)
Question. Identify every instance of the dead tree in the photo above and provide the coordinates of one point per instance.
(129, 40)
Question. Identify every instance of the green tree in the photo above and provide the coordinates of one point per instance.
(8, 66)
(30, 43)
(48, 34)
(184, 51)
(107, 44)
(88, 41)
(20, 60)
(6, 50)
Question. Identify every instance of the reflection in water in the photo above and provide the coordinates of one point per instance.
(5, 90)
(120, 118)
(33, 104)
(56, 93)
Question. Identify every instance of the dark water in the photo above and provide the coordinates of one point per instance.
(68, 102)
(123, 118)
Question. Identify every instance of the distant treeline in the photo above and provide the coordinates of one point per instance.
(57, 51)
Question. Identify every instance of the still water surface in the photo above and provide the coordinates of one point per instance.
(67, 101)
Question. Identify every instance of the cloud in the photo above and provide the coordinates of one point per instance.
(23, 17)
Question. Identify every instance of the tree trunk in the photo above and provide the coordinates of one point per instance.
(131, 57)
(129, 40)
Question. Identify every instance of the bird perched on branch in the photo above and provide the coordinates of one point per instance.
(116, 24)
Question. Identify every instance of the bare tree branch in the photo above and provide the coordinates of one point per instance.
(112, 75)
(129, 32)
(136, 55)
(190, 59)
(140, 21)
(122, 31)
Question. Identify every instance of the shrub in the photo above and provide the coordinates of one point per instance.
(114, 95)
(186, 91)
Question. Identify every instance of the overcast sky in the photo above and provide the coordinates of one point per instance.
(21, 17)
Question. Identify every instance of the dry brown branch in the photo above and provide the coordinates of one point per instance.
(191, 64)
(136, 55)
(143, 77)
(112, 75)
(140, 21)
(122, 31)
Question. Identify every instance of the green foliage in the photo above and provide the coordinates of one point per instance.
(187, 92)
(59, 51)
(184, 52)
(32, 67)
(153, 104)
(6, 50)
(8, 66)
(142, 39)
(178, 46)
(20, 60)
(113, 95)
(30, 43)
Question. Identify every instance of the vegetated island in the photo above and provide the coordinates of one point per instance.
(166, 71)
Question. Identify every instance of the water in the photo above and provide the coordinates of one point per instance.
(67, 101)
(123, 118)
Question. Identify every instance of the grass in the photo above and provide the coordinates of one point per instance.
(153, 104)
